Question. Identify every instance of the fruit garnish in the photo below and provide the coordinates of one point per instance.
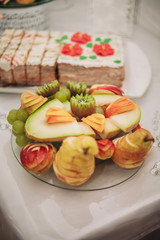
(48, 89)
(121, 105)
(82, 105)
(12, 116)
(22, 114)
(105, 88)
(66, 91)
(132, 148)
(76, 87)
(38, 157)
(75, 161)
(96, 121)
(58, 115)
(31, 101)
(106, 149)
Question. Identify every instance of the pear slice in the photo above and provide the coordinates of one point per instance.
(86, 129)
(110, 130)
(105, 99)
(127, 121)
(37, 128)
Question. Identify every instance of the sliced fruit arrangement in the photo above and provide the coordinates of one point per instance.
(77, 87)
(82, 106)
(31, 101)
(100, 122)
(48, 89)
(38, 157)
(75, 160)
(96, 121)
(106, 89)
(105, 149)
(132, 149)
(59, 115)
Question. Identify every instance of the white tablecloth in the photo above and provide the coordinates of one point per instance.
(30, 209)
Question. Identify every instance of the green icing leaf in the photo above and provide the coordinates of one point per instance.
(98, 39)
(93, 57)
(82, 57)
(107, 40)
(58, 40)
(117, 61)
(65, 37)
(90, 45)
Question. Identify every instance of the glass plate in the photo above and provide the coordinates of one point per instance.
(12, 4)
(107, 174)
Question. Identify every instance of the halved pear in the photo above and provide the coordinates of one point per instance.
(110, 130)
(36, 126)
(127, 121)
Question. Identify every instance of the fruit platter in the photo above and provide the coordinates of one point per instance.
(79, 138)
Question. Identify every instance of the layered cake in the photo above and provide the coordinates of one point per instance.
(36, 57)
(93, 59)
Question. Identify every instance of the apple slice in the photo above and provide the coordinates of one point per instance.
(127, 121)
(34, 100)
(34, 107)
(119, 106)
(57, 115)
(28, 96)
(37, 157)
(105, 99)
(110, 130)
(106, 149)
(96, 121)
(105, 88)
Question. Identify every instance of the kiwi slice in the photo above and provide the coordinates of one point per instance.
(77, 87)
(82, 105)
(48, 89)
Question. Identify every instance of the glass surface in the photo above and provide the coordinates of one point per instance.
(107, 174)
(12, 4)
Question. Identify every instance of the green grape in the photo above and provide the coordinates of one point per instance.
(66, 91)
(60, 96)
(22, 114)
(18, 127)
(12, 116)
(22, 140)
(14, 133)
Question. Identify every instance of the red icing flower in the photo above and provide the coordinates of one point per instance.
(103, 49)
(72, 50)
(82, 38)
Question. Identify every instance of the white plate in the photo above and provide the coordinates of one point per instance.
(138, 73)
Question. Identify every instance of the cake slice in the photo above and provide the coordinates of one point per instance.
(48, 68)
(94, 59)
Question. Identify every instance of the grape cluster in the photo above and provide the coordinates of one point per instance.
(17, 119)
(62, 95)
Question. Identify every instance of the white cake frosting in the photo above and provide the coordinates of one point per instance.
(44, 47)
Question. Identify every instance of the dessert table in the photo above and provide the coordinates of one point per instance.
(31, 209)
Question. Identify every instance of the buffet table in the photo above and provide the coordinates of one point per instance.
(31, 209)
